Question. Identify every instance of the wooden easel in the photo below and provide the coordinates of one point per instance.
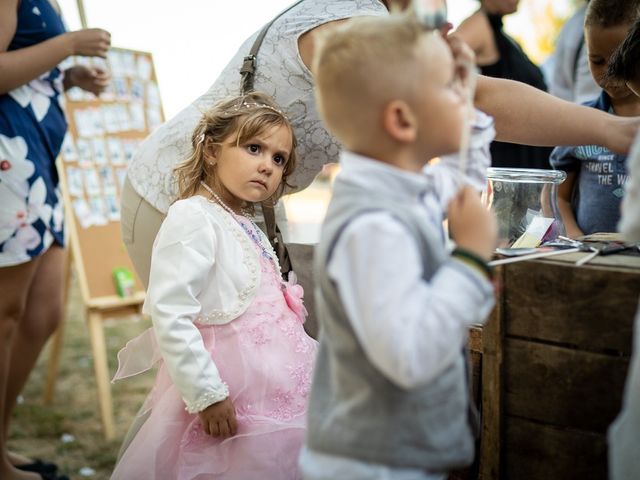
(95, 314)
(96, 311)
(96, 250)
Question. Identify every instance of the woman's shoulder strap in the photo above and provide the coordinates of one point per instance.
(248, 68)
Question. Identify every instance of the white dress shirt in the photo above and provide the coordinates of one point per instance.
(624, 432)
(630, 221)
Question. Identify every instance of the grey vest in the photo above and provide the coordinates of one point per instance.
(354, 410)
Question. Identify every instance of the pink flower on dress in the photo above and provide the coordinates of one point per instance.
(293, 294)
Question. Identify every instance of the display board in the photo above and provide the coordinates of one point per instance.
(103, 135)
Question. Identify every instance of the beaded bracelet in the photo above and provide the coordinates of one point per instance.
(473, 260)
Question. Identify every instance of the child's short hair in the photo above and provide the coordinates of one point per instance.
(611, 13)
(625, 61)
(235, 120)
(362, 65)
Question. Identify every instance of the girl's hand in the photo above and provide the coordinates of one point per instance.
(91, 79)
(219, 419)
(90, 42)
(574, 232)
(471, 224)
(565, 194)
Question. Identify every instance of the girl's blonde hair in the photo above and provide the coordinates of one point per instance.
(234, 120)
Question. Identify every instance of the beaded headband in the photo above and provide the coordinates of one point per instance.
(246, 105)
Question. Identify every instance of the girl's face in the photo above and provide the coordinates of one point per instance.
(252, 171)
(502, 7)
(601, 43)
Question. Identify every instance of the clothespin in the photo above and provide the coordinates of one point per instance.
(587, 258)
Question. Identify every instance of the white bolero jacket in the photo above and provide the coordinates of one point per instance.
(202, 257)
(204, 268)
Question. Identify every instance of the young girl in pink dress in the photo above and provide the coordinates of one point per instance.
(230, 396)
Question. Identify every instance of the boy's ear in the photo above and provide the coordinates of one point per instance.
(399, 121)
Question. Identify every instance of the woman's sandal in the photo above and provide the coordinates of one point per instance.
(53, 476)
(39, 466)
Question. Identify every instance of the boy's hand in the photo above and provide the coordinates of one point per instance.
(219, 419)
(465, 64)
(471, 224)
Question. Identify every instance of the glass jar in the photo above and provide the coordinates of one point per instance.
(525, 204)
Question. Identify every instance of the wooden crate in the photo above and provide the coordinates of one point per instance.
(555, 354)
(475, 360)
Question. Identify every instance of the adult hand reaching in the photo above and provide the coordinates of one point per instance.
(620, 133)
(91, 79)
(90, 42)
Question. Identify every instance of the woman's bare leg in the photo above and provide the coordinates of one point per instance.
(41, 317)
(15, 284)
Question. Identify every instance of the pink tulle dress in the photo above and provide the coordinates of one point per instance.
(266, 359)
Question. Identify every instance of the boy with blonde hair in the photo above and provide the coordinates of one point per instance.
(390, 392)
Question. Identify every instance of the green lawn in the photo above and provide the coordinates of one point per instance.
(37, 430)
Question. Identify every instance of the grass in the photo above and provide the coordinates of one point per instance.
(40, 431)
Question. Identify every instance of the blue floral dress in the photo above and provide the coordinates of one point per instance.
(32, 128)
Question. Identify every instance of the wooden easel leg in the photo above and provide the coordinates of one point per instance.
(99, 348)
(53, 365)
(57, 338)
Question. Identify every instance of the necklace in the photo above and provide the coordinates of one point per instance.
(252, 234)
(217, 198)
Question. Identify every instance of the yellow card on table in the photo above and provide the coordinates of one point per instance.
(535, 232)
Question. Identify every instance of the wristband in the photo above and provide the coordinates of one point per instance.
(473, 260)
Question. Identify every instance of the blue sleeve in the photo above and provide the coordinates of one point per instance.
(564, 158)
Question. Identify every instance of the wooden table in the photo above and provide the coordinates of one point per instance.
(549, 365)
(555, 353)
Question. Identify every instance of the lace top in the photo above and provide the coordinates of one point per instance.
(280, 73)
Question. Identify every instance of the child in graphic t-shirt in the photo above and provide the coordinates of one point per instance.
(589, 200)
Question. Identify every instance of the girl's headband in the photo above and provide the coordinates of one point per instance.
(246, 105)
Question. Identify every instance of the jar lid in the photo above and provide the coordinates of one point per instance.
(526, 175)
